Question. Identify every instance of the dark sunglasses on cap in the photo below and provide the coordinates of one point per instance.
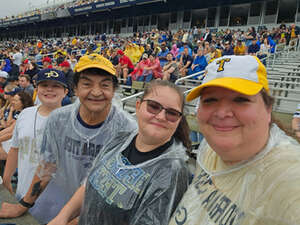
(153, 107)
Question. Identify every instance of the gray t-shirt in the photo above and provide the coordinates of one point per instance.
(29, 89)
(70, 149)
(175, 66)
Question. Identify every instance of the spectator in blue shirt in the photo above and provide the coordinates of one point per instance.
(185, 62)
(6, 65)
(253, 48)
(272, 44)
(228, 49)
(199, 62)
(181, 50)
(162, 55)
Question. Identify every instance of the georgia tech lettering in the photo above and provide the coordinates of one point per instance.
(114, 182)
(52, 74)
(78, 148)
(220, 210)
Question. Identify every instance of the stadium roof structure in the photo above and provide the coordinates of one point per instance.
(127, 16)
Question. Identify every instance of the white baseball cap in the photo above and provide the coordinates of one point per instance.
(3, 74)
(243, 74)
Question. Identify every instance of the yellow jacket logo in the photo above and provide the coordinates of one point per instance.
(94, 58)
(52, 74)
(221, 64)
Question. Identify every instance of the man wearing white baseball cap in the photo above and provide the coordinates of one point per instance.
(3, 74)
(248, 169)
(3, 78)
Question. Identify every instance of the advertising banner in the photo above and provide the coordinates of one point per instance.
(82, 9)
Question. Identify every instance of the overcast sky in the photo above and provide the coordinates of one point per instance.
(13, 7)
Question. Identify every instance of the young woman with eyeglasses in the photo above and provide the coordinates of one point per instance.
(144, 175)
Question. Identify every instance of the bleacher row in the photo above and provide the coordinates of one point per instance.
(284, 79)
(283, 68)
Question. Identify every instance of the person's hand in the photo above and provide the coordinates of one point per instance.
(58, 220)
(30, 66)
(1, 112)
(9, 210)
(7, 184)
(74, 221)
(12, 107)
(297, 134)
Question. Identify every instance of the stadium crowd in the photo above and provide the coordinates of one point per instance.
(143, 56)
(49, 9)
(137, 172)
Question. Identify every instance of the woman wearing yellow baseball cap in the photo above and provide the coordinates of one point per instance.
(248, 169)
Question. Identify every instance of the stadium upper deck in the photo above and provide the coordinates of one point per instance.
(128, 16)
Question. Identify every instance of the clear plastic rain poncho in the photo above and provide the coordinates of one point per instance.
(119, 193)
(264, 190)
(68, 151)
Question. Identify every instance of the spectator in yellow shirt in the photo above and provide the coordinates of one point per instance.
(240, 48)
(214, 53)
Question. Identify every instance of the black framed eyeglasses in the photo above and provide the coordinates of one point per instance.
(154, 107)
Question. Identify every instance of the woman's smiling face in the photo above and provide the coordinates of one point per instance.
(157, 128)
(236, 126)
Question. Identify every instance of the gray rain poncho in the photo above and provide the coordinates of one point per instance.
(67, 154)
(264, 190)
(119, 193)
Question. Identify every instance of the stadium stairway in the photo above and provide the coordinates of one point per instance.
(284, 81)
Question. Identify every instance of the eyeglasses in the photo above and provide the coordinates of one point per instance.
(153, 107)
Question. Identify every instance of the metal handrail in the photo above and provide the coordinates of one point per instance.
(176, 82)
(284, 49)
(53, 53)
(189, 76)
(132, 96)
(276, 53)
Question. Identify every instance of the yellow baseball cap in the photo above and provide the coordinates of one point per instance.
(243, 74)
(95, 61)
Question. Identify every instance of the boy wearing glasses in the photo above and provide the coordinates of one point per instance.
(74, 135)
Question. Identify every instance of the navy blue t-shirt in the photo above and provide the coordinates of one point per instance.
(253, 48)
(187, 58)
